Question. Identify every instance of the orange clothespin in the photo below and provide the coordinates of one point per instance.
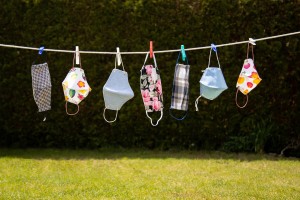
(151, 49)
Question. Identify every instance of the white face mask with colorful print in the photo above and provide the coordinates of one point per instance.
(248, 78)
(75, 87)
(151, 89)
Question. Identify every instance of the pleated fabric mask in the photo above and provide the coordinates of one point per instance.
(248, 78)
(75, 87)
(41, 86)
(116, 91)
(212, 82)
(180, 90)
(151, 89)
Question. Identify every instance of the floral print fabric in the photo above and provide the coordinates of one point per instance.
(75, 86)
(151, 88)
(248, 78)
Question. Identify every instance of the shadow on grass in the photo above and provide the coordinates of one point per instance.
(114, 154)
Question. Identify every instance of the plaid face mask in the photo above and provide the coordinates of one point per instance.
(151, 89)
(212, 82)
(41, 86)
(180, 91)
(116, 91)
(248, 78)
(75, 87)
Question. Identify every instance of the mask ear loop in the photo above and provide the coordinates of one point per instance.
(71, 113)
(236, 102)
(121, 63)
(196, 103)
(108, 120)
(161, 115)
(186, 112)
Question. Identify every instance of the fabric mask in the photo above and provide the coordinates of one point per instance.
(116, 91)
(41, 86)
(248, 78)
(151, 89)
(75, 87)
(212, 82)
(180, 91)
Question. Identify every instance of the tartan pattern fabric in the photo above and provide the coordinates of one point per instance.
(180, 92)
(41, 86)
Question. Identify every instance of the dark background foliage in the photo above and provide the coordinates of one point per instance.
(269, 123)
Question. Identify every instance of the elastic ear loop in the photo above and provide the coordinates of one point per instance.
(196, 103)
(216, 56)
(71, 113)
(179, 119)
(186, 112)
(121, 63)
(236, 94)
(252, 51)
(161, 115)
(112, 120)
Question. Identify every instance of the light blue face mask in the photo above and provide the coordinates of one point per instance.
(212, 82)
(116, 91)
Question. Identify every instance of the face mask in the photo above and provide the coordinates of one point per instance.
(180, 91)
(116, 91)
(248, 78)
(151, 89)
(75, 87)
(41, 86)
(212, 82)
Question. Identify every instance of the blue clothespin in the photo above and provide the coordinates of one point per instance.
(41, 49)
(183, 55)
(214, 47)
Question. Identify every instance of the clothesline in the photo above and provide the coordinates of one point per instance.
(141, 52)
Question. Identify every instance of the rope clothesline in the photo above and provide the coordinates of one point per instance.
(144, 52)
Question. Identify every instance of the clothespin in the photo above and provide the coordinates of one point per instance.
(214, 47)
(119, 60)
(252, 41)
(151, 49)
(77, 55)
(41, 49)
(183, 55)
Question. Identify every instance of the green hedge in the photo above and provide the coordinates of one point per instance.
(268, 123)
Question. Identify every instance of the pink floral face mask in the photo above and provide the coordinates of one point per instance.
(151, 89)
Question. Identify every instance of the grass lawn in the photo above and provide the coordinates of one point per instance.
(112, 174)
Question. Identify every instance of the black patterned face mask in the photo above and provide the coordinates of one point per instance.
(41, 86)
(41, 82)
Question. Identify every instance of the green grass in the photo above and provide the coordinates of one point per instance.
(109, 174)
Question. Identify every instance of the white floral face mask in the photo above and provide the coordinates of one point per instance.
(248, 78)
(151, 89)
(75, 87)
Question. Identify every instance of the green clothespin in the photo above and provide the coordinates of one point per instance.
(183, 55)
